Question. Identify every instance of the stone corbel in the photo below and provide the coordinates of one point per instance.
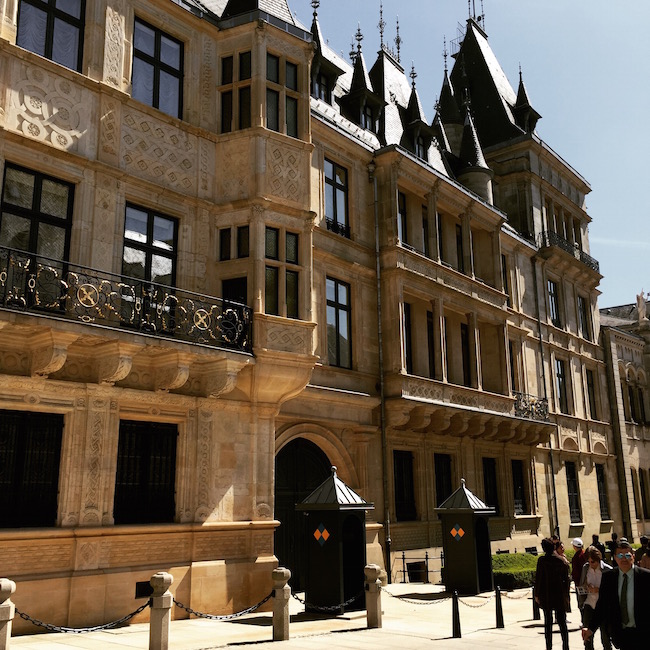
(49, 352)
(114, 361)
(220, 377)
(172, 371)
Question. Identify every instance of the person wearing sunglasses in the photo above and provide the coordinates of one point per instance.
(622, 604)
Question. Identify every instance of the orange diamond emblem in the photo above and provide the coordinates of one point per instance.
(457, 533)
(321, 534)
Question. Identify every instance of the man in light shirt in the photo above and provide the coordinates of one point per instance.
(622, 603)
(588, 587)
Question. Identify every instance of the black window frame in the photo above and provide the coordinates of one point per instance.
(491, 483)
(335, 359)
(408, 338)
(573, 492)
(590, 379)
(225, 238)
(53, 14)
(30, 464)
(145, 493)
(336, 224)
(404, 485)
(562, 386)
(443, 470)
(584, 319)
(553, 291)
(243, 241)
(601, 484)
(519, 491)
(402, 218)
(159, 65)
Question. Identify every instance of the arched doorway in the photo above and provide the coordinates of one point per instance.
(300, 467)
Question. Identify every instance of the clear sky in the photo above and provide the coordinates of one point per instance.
(586, 66)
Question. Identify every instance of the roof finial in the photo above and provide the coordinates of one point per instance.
(445, 53)
(398, 42)
(353, 52)
(462, 480)
(315, 4)
(469, 8)
(382, 24)
(521, 77)
(482, 15)
(413, 75)
(334, 468)
(359, 37)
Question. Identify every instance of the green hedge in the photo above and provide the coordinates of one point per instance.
(514, 570)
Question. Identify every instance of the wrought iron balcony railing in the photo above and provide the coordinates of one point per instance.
(338, 228)
(57, 288)
(531, 407)
(550, 238)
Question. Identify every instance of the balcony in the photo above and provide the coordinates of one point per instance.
(531, 407)
(338, 228)
(550, 238)
(61, 290)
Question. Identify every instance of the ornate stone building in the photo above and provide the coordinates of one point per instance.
(230, 259)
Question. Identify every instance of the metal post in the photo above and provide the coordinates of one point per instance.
(403, 566)
(455, 616)
(7, 611)
(281, 596)
(500, 624)
(161, 611)
(373, 595)
(426, 567)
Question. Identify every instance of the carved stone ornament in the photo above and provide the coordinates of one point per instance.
(49, 353)
(116, 362)
(172, 373)
(220, 378)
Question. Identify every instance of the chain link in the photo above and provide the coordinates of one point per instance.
(327, 608)
(437, 601)
(476, 606)
(82, 630)
(224, 617)
(526, 593)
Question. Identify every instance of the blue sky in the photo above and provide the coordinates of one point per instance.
(586, 67)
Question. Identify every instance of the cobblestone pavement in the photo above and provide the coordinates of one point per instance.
(414, 616)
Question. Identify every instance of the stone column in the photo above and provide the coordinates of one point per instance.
(161, 605)
(281, 596)
(7, 611)
(373, 595)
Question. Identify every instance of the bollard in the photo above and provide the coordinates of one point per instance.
(7, 611)
(373, 595)
(403, 567)
(500, 624)
(426, 567)
(281, 596)
(536, 615)
(161, 614)
(455, 616)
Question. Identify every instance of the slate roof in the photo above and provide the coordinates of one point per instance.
(334, 494)
(463, 499)
(278, 8)
(471, 154)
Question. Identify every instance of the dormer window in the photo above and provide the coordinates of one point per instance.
(421, 148)
(368, 119)
(321, 88)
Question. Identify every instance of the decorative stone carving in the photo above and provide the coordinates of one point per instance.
(172, 371)
(114, 362)
(284, 177)
(49, 353)
(159, 152)
(233, 181)
(114, 46)
(49, 108)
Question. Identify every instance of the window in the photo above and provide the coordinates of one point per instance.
(644, 494)
(561, 386)
(36, 214)
(336, 198)
(408, 339)
(573, 491)
(431, 341)
(554, 303)
(402, 221)
(224, 244)
(157, 78)
(282, 83)
(591, 394)
(460, 253)
(584, 318)
(368, 119)
(505, 275)
(146, 473)
(426, 249)
(602, 492)
(490, 483)
(243, 245)
(442, 469)
(640, 395)
(30, 457)
(235, 86)
(464, 348)
(53, 29)
(635, 492)
(631, 396)
(150, 242)
(519, 487)
(282, 248)
(235, 290)
(339, 341)
(403, 485)
(512, 359)
(321, 87)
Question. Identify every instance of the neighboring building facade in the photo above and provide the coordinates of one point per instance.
(423, 306)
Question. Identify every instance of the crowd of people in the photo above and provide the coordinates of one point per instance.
(612, 587)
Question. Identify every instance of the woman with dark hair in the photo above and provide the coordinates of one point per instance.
(552, 593)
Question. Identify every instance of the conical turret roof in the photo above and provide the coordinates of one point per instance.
(471, 153)
(464, 499)
(334, 494)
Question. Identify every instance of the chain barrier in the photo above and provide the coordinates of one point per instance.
(437, 601)
(82, 630)
(223, 617)
(327, 608)
(476, 606)
(526, 593)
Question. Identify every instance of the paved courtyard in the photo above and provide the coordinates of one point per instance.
(414, 616)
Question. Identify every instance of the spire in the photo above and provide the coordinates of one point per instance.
(382, 24)
(398, 42)
(315, 4)
(471, 153)
(525, 115)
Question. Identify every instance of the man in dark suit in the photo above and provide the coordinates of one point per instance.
(622, 603)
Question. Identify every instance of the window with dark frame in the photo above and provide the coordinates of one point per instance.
(157, 78)
(243, 241)
(53, 29)
(321, 88)
(272, 291)
(145, 480)
(584, 318)
(573, 492)
(236, 88)
(36, 214)
(635, 492)
(643, 488)
(464, 348)
(431, 343)
(442, 469)
(402, 219)
(460, 252)
(403, 485)
(519, 487)
(640, 394)
(561, 386)
(632, 398)
(408, 339)
(150, 246)
(339, 340)
(336, 199)
(554, 302)
(425, 232)
(30, 460)
(224, 244)
(506, 277)
(591, 394)
(603, 501)
(491, 483)
(282, 89)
